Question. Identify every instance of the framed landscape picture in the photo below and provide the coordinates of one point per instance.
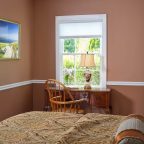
(9, 39)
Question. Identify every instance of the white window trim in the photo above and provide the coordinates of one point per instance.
(83, 18)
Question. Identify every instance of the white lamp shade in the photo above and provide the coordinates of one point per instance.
(87, 60)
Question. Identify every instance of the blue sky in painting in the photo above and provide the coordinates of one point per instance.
(8, 32)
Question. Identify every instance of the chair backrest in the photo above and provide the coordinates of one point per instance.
(59, 95)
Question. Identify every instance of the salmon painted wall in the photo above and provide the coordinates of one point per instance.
(15, 101)
(125, 45)
(11, 71)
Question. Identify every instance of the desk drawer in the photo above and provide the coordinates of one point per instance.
(100, 99)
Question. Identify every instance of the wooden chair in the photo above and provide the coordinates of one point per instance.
(61, 99)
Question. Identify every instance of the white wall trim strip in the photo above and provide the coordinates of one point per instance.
(13, 85)
(38, 81)
(123, 83)
(113, 83)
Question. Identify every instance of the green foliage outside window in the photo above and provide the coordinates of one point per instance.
(68, 70)
(94, 44)
(69, 45)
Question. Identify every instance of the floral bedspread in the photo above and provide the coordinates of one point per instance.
(58, 128)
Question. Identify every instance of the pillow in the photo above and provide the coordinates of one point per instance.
(130, 140)
(130, 130)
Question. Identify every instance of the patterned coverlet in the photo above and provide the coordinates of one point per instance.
(58, 128)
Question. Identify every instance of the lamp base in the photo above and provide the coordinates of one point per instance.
(87, 76)
(87, 86)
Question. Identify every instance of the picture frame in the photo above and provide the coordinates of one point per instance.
(9, 40)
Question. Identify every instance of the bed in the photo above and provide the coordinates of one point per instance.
(58, 128)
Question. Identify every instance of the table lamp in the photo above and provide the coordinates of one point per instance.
(87, 61)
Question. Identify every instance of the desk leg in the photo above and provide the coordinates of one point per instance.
(87, 97)
(107, 103)
(90, 101)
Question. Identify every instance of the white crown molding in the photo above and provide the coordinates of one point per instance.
(112, 83)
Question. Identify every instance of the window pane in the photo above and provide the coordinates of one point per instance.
(68, 69)
(69, 45)
(81, 45)
(80, 77)
(84, 45)
(68, 76)
(77, 61)
(68, 61)
(97, 60)
(95, 80)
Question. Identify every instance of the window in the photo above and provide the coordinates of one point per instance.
(76, 35)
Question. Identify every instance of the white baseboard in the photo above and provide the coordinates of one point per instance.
(112, 83)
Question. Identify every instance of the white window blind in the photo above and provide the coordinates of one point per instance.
(80, 29)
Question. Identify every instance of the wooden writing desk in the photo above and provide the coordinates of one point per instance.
(96, 96)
